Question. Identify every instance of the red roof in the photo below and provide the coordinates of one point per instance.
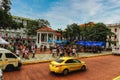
(57, 34)
(48, 29)
(45, 29)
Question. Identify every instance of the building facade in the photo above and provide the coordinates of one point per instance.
(115, 28)
(19, 32)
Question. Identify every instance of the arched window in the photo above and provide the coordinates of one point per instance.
(115, 29)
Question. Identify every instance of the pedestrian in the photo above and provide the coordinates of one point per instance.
(23, 51)
(26, 53)
(62, 52)
(17, 51)
(33, 50)
(74, 52)
(41, 48)
(54, 51)
(45, 47)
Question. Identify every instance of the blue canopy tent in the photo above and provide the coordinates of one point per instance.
(60, 41)
(90, 43)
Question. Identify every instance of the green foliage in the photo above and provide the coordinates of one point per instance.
(72, 31)
(34, 25)
(99, 32)
(6, 21)
(42, 22)
(31, 28)
(96, 32)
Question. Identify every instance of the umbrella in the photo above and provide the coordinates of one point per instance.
(2, 41)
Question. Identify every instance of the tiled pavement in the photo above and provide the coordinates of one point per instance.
(45, 57)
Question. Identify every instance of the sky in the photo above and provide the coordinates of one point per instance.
(61, 13)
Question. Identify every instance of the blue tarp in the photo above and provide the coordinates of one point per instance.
(60, 41)
(90, 43)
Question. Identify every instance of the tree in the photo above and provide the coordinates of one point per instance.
(34, 25)
(73, 31)
(31, 28)
(42, 22)
(5, 16)
(6, 5)
(99, 32)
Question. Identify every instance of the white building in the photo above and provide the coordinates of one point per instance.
(115, 28)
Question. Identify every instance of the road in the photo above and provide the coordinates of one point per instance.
(98, 68)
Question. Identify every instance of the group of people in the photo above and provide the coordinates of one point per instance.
(63, 51)
(21, 48)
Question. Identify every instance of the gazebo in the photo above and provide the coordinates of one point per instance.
(47, 36)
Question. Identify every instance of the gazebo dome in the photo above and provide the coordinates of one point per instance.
(45, 29)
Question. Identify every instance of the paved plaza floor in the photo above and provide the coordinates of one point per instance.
(46, 57)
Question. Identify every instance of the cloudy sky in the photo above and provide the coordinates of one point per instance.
(61, 13)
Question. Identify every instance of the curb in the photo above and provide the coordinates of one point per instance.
(94, 56)
(45, 61)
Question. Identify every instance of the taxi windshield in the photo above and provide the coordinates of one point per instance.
(59, 60)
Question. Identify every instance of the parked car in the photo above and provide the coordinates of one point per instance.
(116, 50)
(65, 65)
(1, 75)
(8, 60)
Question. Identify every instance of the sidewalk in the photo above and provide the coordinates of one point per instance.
(39, 58)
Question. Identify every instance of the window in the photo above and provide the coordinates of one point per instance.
(0, 55)
(72, 61)
(115, 29)
(76, 61)
(9, 55)
(59, 60)
(68, 61)
(115, 37)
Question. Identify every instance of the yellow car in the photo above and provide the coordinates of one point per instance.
(67, 64)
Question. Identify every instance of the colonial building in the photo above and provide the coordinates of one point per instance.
(115, 28)
(19, 32)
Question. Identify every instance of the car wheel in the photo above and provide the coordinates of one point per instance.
(9, 68)
(65, 71)
(83, 68)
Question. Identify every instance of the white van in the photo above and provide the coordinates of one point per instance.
(8, 60)
(116, 50)
(1, 75)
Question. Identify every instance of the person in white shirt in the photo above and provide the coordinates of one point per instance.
(17, 52)
(74, 52)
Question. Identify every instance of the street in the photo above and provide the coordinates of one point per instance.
(98, 68)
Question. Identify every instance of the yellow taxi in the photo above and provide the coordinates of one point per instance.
(67, 64)
(117, 78)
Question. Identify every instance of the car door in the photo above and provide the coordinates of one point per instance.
(1, 61)
(11, 59)
(73, 64)
(77, 64)
(69, 65)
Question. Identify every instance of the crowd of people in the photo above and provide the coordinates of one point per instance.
(21, 47)
(63, 51)
(24, 47)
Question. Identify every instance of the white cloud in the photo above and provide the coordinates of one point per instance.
(74, 11)
(65, 12)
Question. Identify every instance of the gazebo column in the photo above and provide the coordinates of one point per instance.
(47, 40)
(37, 39)
(47, 37)
(40, 39)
